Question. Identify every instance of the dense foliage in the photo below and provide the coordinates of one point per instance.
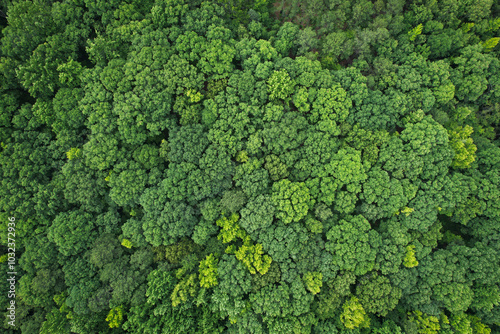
(240, 166)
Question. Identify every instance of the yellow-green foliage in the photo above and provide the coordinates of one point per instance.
(410, 261)
(467, 26)
(415, 32)
(231, 249)
(280, 85)
(126, 243)
(194, 96)
(406, 210)
(464, 147)
(74, 153)
(462, 323)
(313, 281)
(230, 230)
(115, 317)
(478, 327)
(208, 272)
(60, 301)
(489, 44)
(353, 314)
(60, 298)
(426, 324)
(252, 256)
(185, 288)
(242, 156)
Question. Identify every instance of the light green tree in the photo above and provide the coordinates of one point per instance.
(208, 272)
(353, 315)
(313, 281)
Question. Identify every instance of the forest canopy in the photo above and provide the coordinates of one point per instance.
(234, 166)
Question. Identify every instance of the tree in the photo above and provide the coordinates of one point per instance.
(377, 295)
(105, 249)
(115, 317)
(233, 201)
(463, 146)
(176, 219)
(307, 40)
(410, 261)
(55, 321)
(216, 60)
(425, 323)
(330, 104)
(127, 185)
(72, 232)
(258, 214)
(277, 169)
(353, 314)
(286, 38)
(157, 313)
(251, 255)
(340, 180)
(284, 242)
(313, 282)
(177, 252)
(280, 86)
(291, 199)
(451, 291)
(383, 196)
(468, 77)
(234, 283)
(208, 272)
(186, 288)
(395, 237)
(353, 245)
(230, 230)
(333, 295)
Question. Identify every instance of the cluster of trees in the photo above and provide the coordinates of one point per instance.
(251, 167)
